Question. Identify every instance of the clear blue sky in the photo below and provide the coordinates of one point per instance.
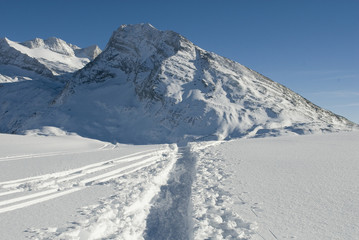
(310, 46)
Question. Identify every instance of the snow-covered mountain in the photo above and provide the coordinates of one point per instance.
(152, 86)
(48, 58)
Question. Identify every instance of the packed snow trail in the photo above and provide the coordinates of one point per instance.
(177, 197)
(169, 217)
(193, 204)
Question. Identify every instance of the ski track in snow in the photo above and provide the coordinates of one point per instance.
(74, 173)
(66, 182)
(50, 154)
(122, 216)
(170, 193)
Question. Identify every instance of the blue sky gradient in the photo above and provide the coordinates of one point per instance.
(310, 46)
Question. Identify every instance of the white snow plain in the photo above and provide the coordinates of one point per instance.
(69, 187)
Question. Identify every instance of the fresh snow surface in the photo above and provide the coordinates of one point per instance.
(69, 187)
(303, 187)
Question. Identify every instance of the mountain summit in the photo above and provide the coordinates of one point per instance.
(152, 86)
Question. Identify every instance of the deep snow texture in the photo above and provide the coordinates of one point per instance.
(152, 86)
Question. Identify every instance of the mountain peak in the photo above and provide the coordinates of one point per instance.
(35, 43)
(153, 86)
(140, 26)
(90, 52)
(60, 46)
(49, 58)
(5, 41)
(54, 44)
(142, 39)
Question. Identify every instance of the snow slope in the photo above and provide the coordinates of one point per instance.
(47, 63)
(49, 58)
(68, 187)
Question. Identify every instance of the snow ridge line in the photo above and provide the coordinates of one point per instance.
(56, 191)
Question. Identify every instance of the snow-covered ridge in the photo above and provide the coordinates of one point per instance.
(152, 86)
(60, 46)
(49, 58)
(54, 44)
(90, 52)
(11, 56)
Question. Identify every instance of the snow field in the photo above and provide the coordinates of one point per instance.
(213, 217)
(274, 188)
(300, 187)
(133, 172)
(66, 182)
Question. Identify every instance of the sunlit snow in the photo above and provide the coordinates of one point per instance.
(156, 138)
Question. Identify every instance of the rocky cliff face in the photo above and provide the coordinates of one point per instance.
(151, 86)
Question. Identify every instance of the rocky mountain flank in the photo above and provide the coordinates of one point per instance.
(152, 86)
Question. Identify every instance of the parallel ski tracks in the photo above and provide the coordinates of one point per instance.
(37, 189)
(50, 154)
